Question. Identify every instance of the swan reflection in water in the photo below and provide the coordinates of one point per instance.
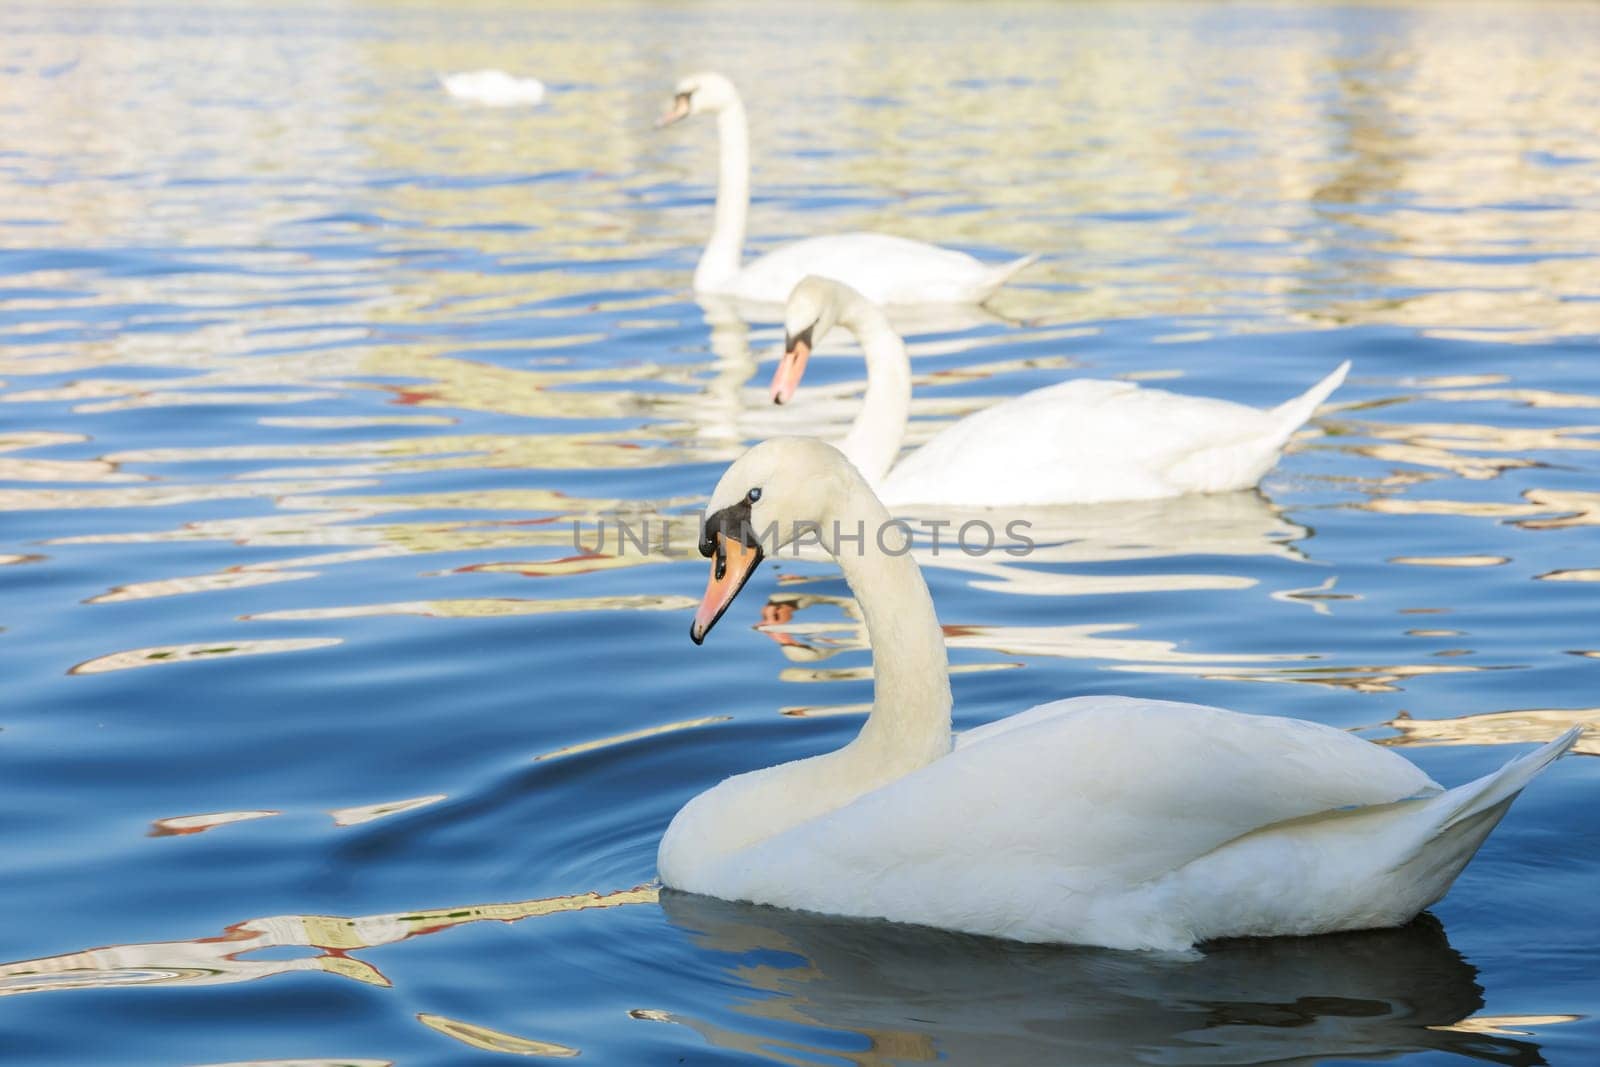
(1228, 525)
(1218, 528)
(1015, 550)
(920, 995)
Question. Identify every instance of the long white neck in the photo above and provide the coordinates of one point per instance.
(720, 260)
(873, 443)
(909, 725)
(908, 728)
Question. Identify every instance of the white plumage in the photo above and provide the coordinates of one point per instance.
(1104, 820)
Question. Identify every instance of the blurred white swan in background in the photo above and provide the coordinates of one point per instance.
(493, 88)
(1115, 821)
(1082, 441)
(891, 270)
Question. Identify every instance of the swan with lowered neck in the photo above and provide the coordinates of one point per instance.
(1085, 441)
(892, 270)
(1113, 821)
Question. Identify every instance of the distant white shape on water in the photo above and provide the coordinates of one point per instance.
(493, 88)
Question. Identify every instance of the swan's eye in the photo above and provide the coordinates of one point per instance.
(753, 495)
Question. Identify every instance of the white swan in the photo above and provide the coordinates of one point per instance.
(1083, 441)
(493, 88)
(1114, 821)
(891, 270)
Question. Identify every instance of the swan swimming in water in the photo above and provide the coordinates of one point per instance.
(890, 270)
(1084, 441)
(1113, 821)
(493, 88)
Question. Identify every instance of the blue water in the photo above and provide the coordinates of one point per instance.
(322, 743)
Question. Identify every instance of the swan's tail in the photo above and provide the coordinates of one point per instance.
(1365, 867)
(995, 277)
(1458, 807)
(1239, 462)
(1448, 829)
(1292, 414)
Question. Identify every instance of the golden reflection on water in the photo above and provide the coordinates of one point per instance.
(197, 398)
(1222, 524)
(1455, 447)
(219, 960)
(884, 1047)
(1572, 508)
(1546, 509)
(1533, 398)
(1575, 574)
(1245, 524)
(1231, 524)
(410, 455)
(857, 674)
(1452, 175)
(158, 496)
(1499, 728)
(194, 824)
(1366, 678)
(481, 1037)
(354, 816)
(345, 422)
(631, 736)
(168, 654)
(1319, 598)
(232, 578)
(812, 642)
(488, 607)
(28, 469)
(655, 537)
(1509, 1025)
(365, 813)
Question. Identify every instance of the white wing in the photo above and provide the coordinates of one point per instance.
(1065, 807)
(1089, 441)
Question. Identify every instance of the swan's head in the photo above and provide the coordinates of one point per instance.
(813, 309)
(773, 493)
(699, 94)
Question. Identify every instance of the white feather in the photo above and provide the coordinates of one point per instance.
(1088, 441)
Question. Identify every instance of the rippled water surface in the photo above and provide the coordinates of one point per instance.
(323, 743)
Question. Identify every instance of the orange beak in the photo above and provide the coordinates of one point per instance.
(790, 369)
(678, 111)
(732, 564)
